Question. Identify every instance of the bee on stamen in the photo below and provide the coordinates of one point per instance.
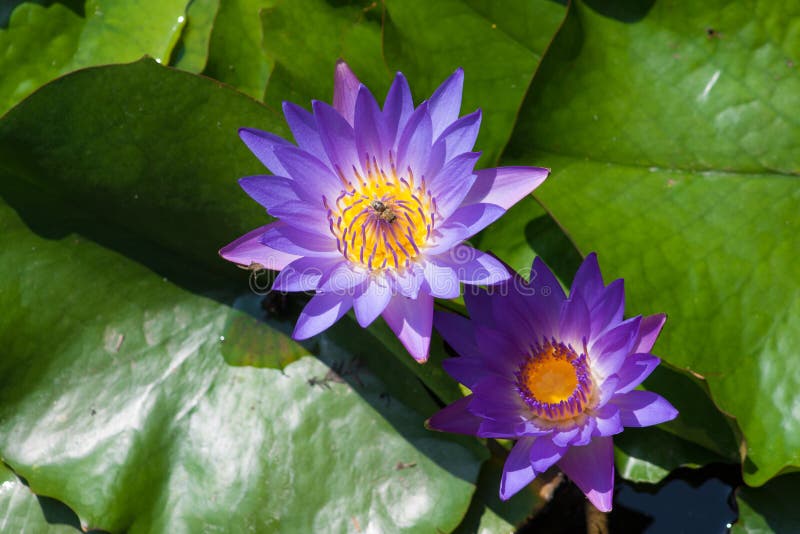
(386, 214)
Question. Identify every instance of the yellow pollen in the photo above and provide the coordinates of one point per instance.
(381, 220)
(550, 378)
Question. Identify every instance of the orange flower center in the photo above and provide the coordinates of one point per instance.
(554, 381)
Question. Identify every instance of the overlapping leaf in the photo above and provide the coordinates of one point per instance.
(191, 52)
(236, 50)
(124, 395)
(672, 132)
(24, 512)
(42, 43)
(770, 508)
(427, 41)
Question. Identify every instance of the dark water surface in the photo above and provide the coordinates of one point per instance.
(689, 501)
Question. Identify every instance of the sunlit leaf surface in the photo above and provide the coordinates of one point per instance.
(136, 403)
(672, 132)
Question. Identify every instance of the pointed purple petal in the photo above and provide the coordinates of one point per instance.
(338, 138)
(464, 223)
(298, 242)
(369, 130)
(634, 370)
(648, 332)
(586, 432)
(412, 321)
(410, 281)
(505, 186)
(562, 438)
(608, 419)
(496, 398)
(445, 103)
(320, 313)
(610, 350)
(435, 160)
(371, 303)
(588, 282)
(304, 129)
(544, 453)
(544, 282)
(479, 306)
(398, 106)
(453, 181)
(313, 178)
(304, 216)
(517, 471)
(607, 388)
(457, 331)
(303, 274)
(499, 429)
(473, 266)
(249, 250)
(263, 145)
(574, 322)
(455, 418)
(460, 136)
(591, 468)
(644, 408)
(442, 279)
(510, 429)
(269, 191)
(503, 351)
(468, 371)
(345, 89)
(414, 144)
(608, 307)
(342, 278)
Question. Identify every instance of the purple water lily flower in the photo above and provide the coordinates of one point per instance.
(556, 373)
(373, 205)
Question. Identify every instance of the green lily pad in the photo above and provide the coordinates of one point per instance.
(236, 53)
(672, 134)
(191, 52)
(772, 508)
(25, 512)
(650, 454)
(42, 43)
(427, 41)
(130, 388)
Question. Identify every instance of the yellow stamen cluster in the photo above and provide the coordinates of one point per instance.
(381, 220)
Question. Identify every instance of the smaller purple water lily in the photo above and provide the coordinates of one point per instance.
(556, 373)
(373, 205)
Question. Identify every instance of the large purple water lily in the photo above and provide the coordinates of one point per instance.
(373, 205)
(557, 374)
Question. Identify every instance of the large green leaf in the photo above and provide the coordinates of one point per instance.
(649, 454)
(236, 52)
(135, 401)
(304, 39)
(24, 512)
(191, 52)
(671, 130)
(147, 150)
(427, 41)
(42, 43)
(770, 508)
